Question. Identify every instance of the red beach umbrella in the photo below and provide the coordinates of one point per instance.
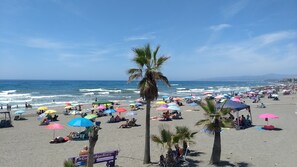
(121, 110)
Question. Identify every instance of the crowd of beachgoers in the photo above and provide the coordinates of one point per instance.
(253, 146)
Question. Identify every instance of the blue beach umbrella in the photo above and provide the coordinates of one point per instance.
(173, 108)
(80, 122)
(110, 111)
(20, 112)
(193, 104)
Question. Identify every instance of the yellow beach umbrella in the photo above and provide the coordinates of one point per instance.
(67, 107)
(50, 111)
(42, 108)
(160, 102)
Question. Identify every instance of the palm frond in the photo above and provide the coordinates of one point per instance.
(155, 54)
(160, 61)
(203, 122)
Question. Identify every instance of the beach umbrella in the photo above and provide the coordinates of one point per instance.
(172, 104)
(164, 105)
(91, 116)
(173, 108)
(42, 108)
(80, 122)
(131, 113)
(20, 112)
(54, 126)
(101, 107)
(160, 102)
(165, 97)
(41, 116)
(267, 116)
(67, 107)
(235, 99)
(121, 110)
(162, 109)
(274, 95)
(110, 111)
(68, 103)
(50, 111)
(219, 96)
(207, 92)
(138, 104)
(177, 99)
(193, 104)
(75, 112)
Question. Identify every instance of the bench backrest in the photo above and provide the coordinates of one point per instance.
(98, 157)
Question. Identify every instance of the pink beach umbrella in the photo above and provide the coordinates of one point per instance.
(54, 126)
(101, 107)
(235, 99)
(162, 109)
(267, 116)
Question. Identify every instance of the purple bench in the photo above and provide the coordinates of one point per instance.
(108, 157)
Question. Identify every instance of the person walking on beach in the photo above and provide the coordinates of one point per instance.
(1, 107)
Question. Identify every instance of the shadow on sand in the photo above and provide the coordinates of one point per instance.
(228, 164)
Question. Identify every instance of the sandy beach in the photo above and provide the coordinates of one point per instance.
(27, 143)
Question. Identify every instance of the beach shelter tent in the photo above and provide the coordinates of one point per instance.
(237, 106)
(102, 102)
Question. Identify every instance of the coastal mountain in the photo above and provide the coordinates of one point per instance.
(265, 77)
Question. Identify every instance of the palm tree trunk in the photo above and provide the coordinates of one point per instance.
(147, 152)
(93, 137)
(170, 159)
(216, 149)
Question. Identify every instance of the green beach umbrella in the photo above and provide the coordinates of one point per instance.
(91, 116)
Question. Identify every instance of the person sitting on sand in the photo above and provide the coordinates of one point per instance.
(118, 118)
(84, 151)
(125, 125)
(166, 115)
(132, 122)
(112, 119)
(45, 121)
(58, 139)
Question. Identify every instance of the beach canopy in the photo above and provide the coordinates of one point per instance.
(102, 102)
(233, 105)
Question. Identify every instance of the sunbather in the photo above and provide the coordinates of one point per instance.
(125, 125)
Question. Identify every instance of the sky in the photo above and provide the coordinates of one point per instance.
(93, 40)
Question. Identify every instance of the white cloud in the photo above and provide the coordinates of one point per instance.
(267, 53)
(220, 27)
(44, 43)
(141, 37)
(235, 8)
(278, 36)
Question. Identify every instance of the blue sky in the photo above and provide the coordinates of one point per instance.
(93, 40)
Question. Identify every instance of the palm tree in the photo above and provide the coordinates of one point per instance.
(185, 135)
(93, 137)
(215, 120)
(148, 71)
(167, 139)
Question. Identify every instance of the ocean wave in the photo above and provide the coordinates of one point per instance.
(101, 90)
(103, 93)
(21, 95)
(174, 84)
(88, 94)
(181, 88)
(8, 91)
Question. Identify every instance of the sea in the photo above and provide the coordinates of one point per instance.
(57, 92)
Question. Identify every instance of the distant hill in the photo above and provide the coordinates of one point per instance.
(265, 77)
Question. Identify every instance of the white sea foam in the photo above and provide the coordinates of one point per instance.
(41, 97)
(8, 91)
(137, 91)
(174, 84)
(101, 90)
(103, 93)
(88, 94)
(180, 88)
